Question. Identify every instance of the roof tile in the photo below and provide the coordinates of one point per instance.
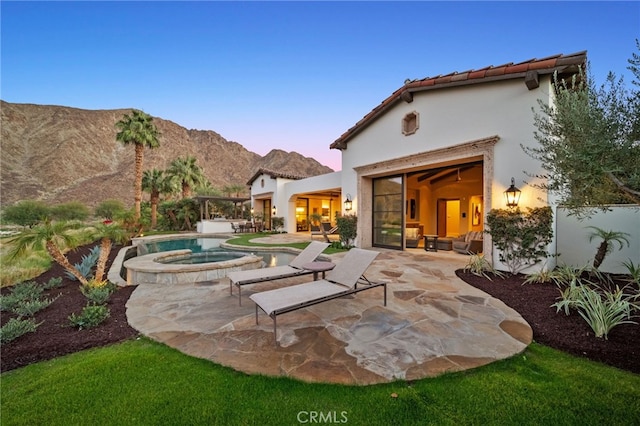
(505, 71)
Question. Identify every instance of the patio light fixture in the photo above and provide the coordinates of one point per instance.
(348, 203)
(512, 194)
(273, 211)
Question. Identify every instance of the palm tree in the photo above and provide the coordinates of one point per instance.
(155, 182)
(188, 173)
(52, 236)
(108, 233)
(138, 129)
(234, 189)
(605, 246)
(316, 220)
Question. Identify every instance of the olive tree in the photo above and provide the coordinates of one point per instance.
(589, 141)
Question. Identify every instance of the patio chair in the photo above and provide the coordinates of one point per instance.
(469, 243)
(329, 229)
(293, 269)
(341, 281)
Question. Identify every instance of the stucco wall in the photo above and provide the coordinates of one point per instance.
(448, 118)
(573, 238)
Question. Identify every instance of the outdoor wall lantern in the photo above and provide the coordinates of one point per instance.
(512, 194)
(273, 211)
(348, 203)
(252, 211)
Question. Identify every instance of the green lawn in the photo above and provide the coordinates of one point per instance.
(143, 382)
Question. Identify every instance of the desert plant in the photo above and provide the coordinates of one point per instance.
(606, 245)
(91, 316)
(138, 129)
(25, 299)
(540, 277)
(86, 264)
(521, 237)
(27, 308)
(565, 275)
(17, 327)
(52, 236)
(109, 233)
(604, 311)
(316, 220)
(633, 270)
(98, 294)
(52, 283)
(21, 292)
(478, 265)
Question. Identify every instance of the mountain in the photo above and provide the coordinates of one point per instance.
(59, 154)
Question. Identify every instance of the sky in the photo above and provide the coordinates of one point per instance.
(284, 75)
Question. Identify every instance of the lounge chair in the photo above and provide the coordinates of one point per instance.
(341, 281)
(293, 269)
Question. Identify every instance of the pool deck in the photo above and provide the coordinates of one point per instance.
(433, 323)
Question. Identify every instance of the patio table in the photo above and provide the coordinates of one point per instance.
(318, 266)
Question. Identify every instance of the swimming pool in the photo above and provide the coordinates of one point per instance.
(207, 249)
(189, 258)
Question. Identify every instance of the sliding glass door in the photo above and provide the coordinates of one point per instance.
(388, 212)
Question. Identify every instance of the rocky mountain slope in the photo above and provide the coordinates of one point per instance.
(59, 154)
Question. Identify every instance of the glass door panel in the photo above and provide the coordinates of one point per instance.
(388, 212)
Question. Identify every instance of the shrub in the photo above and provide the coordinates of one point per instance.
(91, 316)
(521, 237)
(27, 308)
(22, 292)
(633, 272)
(52, 283)
(15, 328)
(26, 213)
(99, 295)
(347, 229)
(481, 267)
(73, 210)
(277, 223)
(600, 308)
(108, 209)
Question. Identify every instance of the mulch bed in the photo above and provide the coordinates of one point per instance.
(571, 334)
(55, 337)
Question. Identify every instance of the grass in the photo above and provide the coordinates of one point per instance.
(143, 382)
(245, 240)
(27, 267)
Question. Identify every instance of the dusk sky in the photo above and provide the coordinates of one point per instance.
(284, 75)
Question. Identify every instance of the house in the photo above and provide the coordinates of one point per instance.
(436, 155)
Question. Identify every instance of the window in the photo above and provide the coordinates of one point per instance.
(410, 123)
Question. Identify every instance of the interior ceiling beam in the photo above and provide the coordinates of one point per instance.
(437, 173)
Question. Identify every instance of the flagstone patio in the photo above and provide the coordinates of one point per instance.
(433, 323)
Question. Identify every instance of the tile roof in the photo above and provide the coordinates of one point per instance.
(274, 175)
(529, 69)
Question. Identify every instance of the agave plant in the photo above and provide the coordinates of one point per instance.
(86, 264)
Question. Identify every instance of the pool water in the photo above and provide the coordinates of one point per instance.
(196, 245)
(203, 257)
(207, 250)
